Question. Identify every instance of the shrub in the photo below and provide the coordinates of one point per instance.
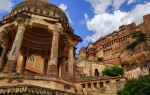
(113, 71)
(136, 87)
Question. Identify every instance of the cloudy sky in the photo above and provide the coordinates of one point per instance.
(92, 19)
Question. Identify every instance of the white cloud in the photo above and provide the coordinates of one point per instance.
(104, 23)
(117, 3)
(100, 6)
(5, 5)
(131, 1)
(64, 8)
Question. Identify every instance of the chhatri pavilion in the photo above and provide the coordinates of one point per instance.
(38, 55)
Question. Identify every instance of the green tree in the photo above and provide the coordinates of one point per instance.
(113, 71)
(139, 38)
(136, 87)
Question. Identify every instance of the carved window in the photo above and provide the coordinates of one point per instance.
(100, 59)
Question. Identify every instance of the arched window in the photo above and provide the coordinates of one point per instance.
(96, 73)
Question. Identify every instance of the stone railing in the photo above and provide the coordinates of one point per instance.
(93, 78)
(27, 76)
(30, 89)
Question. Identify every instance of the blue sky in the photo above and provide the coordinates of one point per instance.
(92, 19)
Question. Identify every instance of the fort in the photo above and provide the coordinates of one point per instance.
(38, 54)
(109, 47)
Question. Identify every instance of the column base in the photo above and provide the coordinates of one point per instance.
(10, 66)
(52, 70)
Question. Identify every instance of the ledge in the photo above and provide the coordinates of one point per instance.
(33, 77)
(29, 89)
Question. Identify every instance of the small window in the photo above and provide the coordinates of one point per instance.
(96, 73)
(89, 85)
(95, 85)
(101, 84)
(107, 81)
(83, 85)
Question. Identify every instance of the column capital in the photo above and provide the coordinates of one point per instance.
(55, 27)
(23, 19)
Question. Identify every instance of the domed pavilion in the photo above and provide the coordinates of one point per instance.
(38, 55)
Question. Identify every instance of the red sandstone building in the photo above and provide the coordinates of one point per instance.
(111, 50)
(108, 49)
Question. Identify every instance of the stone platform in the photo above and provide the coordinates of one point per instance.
(24, 84)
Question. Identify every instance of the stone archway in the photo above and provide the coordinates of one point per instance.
(96, 73)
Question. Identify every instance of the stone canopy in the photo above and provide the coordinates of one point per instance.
(38, 28)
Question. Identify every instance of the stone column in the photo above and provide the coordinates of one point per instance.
(12, 60)
(0, 39)
(45, 66)
(71, 59)
(52, 65)
(23, 67)
(3, 59)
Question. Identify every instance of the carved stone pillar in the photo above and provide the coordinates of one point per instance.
(0, 39)
(23, 67)
(3, 59)
(12, 60)
(45, 67)
(71, 59)
(52, 65)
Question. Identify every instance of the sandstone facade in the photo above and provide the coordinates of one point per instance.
(108, 49)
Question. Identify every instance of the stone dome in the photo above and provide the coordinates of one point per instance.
(40, 7)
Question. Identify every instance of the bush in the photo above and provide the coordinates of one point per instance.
(136, 87)
(113, 71)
